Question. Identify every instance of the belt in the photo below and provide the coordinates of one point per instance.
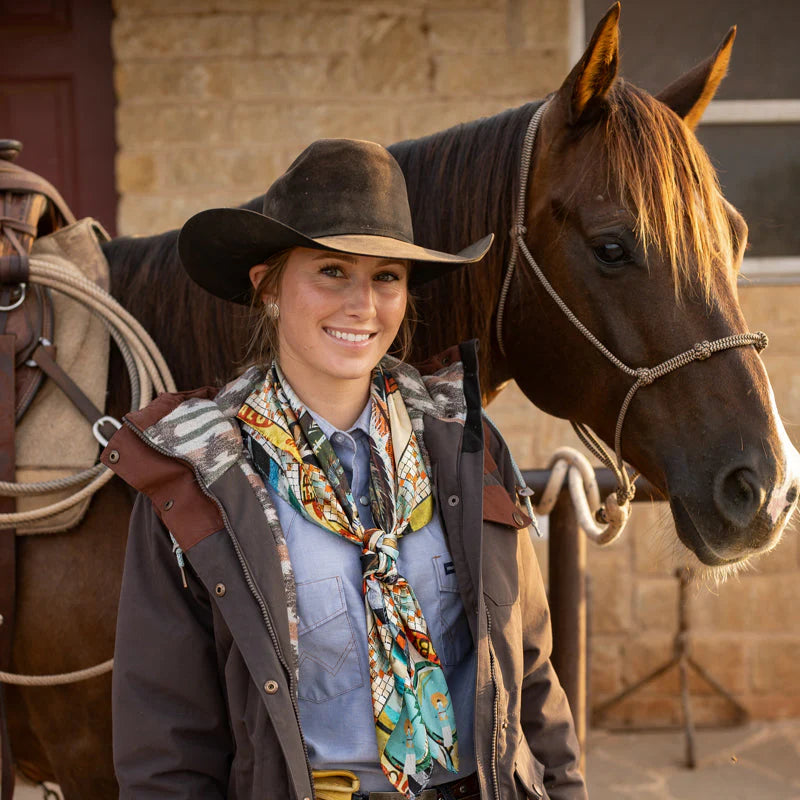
(343, 785)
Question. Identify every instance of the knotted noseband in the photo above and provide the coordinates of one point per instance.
(644, 376)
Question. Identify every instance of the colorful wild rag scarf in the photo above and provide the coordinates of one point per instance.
(414, 719)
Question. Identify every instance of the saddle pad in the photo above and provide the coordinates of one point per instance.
(53, 439)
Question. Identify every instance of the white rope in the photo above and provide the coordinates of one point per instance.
(571, 466)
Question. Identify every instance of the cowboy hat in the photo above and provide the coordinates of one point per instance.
(343, 195)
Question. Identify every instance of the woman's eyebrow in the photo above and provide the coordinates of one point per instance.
(353, 259)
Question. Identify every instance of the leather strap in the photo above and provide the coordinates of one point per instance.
(7, 545)
(43, 356)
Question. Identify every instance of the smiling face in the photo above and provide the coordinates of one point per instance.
(339, 315)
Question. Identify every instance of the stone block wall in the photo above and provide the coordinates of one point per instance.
(216, 97)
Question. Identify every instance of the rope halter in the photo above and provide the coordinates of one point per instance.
(643, 376)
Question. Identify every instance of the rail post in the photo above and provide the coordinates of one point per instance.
(567, 580)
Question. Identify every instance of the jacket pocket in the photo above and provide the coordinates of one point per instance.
(456, 639)
(529, 773)
(329, 664)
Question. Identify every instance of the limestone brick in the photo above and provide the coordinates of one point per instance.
(725, 659)
(513, 72)
(755, 603)
(159, 82)
(773, 309)
(656, 604)
(646, 653)
(466, 31)
(776, 665)
(157, 8)
(135, 172)
(171, 37)
(775, 705)
(544, 22)
(657, 550)
(658, 711)
(159, 126)
(423, 118)
(784, 558)
(606, 668)
(393, 55)
(306, 32)
(612, 590)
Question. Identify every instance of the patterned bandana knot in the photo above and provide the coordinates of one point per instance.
(414, 721)
(379, 557)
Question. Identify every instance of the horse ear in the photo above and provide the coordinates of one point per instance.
(587, 85)
(689, 95)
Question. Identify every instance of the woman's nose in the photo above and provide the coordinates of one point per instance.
(361, 299)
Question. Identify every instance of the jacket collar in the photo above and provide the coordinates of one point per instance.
(200, 427)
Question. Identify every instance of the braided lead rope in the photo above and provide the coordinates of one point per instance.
(519, 224)
(58, 679)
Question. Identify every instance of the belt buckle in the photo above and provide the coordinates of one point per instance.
(335, 784)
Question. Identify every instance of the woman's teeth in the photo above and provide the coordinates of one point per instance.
(349, 337)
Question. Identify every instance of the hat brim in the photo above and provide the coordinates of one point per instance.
(219, 246)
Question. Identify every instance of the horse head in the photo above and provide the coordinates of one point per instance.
(626, 218)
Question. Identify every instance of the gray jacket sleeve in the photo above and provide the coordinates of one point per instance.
(171, 731)
(546, 718)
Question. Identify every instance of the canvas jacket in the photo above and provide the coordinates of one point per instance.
(204, 697)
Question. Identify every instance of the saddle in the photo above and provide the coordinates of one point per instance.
(29, 207)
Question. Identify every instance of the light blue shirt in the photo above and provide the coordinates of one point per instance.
(334, 687)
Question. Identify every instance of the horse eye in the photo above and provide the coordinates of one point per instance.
(611, 254)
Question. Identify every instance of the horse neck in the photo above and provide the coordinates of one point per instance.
(201, 338)
(462, 184)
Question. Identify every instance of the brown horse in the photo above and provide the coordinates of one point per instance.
(624, 214)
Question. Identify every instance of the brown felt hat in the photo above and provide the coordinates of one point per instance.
(342, 195)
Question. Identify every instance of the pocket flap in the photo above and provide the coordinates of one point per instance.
(323, 599)
(530, 771)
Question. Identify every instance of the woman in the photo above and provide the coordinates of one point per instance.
(325, 591)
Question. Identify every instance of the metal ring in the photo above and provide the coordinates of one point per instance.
(20, 301)
(102, 421)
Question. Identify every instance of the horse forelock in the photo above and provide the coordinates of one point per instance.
(669, 185)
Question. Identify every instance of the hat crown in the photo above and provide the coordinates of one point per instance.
(342, 186)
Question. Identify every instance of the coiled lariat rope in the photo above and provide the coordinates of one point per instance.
(149, 375)
(147, 370)
(616, 509)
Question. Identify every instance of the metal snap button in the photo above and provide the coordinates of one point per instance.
(168, 505)
(364, 500)
(453, 500)
(219, 590)
(518, 519)
(271, 687)
(113, 456)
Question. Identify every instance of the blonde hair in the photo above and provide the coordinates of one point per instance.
(262, 347)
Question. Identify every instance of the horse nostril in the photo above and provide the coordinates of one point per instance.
(791, 495)
(739, 495)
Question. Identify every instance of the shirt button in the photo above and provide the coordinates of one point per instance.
(453, 500)
(271, 687)
(364, 500)
(338, 437)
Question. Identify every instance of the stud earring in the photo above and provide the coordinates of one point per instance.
(273, 311)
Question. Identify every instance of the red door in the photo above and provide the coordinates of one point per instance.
(57, 97)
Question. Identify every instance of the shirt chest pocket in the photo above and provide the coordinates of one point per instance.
(329, 663)
(455, 639)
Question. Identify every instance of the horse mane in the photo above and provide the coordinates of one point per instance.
(669, 185)
(470, 193)
(147, 278)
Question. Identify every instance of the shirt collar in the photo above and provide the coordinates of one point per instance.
(361, 424)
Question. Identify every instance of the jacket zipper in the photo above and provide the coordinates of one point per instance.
(250, 584)
(495, 710)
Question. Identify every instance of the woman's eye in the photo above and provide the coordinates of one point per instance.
(331, 269)
(387, 276)
(611, 254)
